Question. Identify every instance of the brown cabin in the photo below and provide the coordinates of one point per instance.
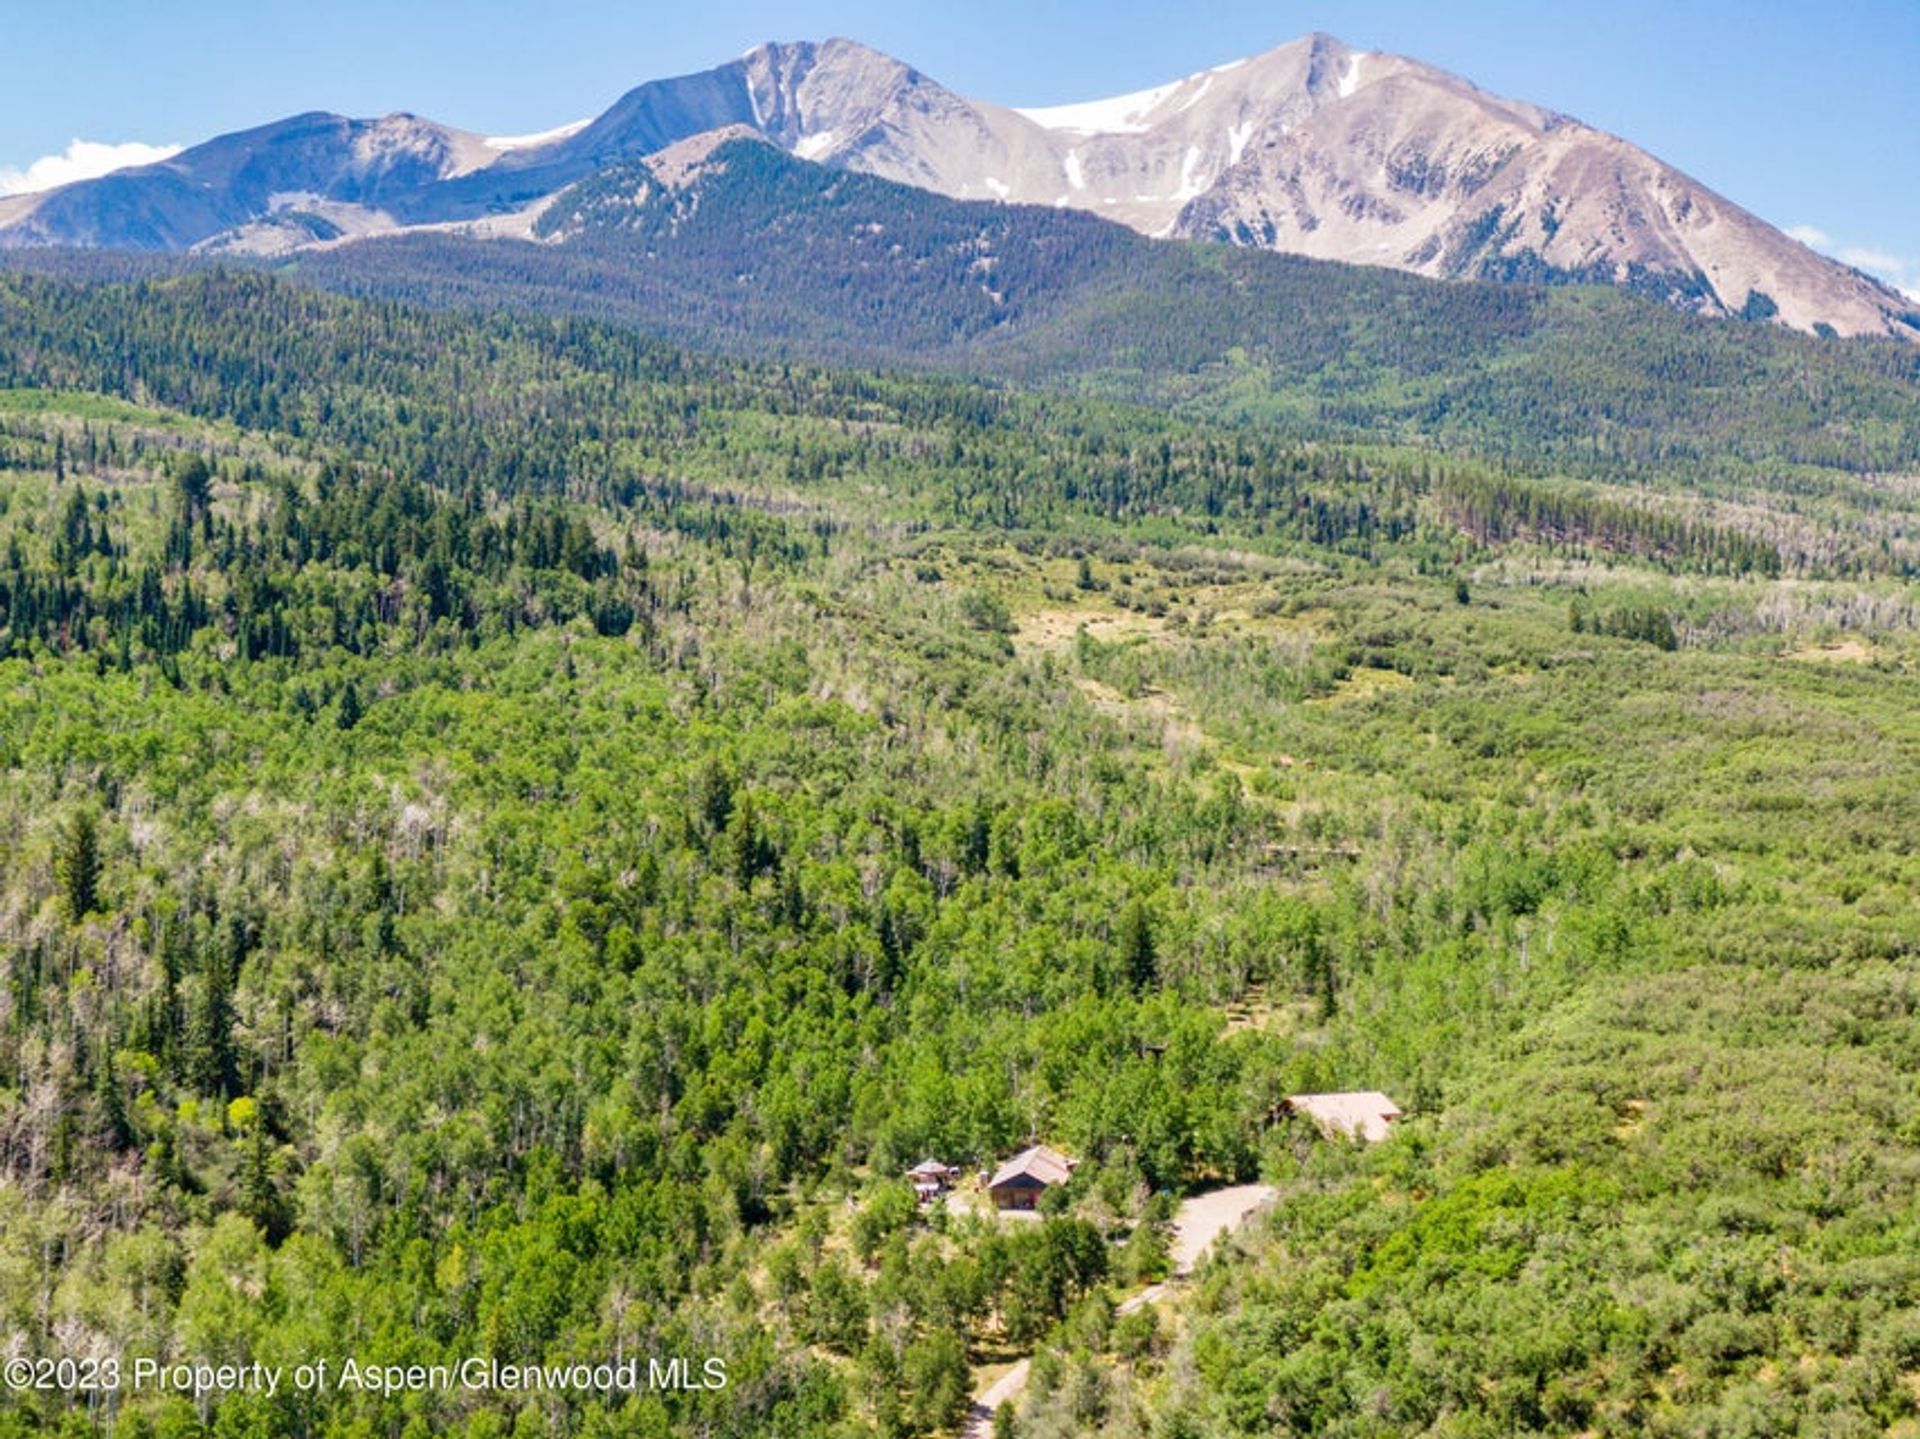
(1019, 1183)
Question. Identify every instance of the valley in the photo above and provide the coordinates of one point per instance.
(517, 833)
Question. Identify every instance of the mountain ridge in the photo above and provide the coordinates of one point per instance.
(1312, 148)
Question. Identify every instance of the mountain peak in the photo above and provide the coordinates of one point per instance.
(1317, 42)
(1314, 148)
(682, 162)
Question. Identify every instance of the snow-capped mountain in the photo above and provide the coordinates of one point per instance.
(1319, 149)
(1314, 148)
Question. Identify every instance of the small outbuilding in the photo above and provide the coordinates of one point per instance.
(1019, 1183)
(1364, 1114)
(930, 1179)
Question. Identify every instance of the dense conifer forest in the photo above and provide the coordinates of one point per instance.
(514, 835)
(757, 253)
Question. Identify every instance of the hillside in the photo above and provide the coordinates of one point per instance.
(854, 269)
(519, 833)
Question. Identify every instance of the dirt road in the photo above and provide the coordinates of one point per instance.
(1008, 1386)
(1197, 1224)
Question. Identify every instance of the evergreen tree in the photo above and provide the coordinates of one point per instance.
(1139, 957)
(211, 1064)
(716, 797)
(193, 486)
(77, 866)
(110, 1107)
(259, 1199)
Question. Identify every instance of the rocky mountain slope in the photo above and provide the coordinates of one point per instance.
(1314, 149)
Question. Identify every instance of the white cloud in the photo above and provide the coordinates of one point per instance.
(1866, 258)
(81, 160)
(1900, 271)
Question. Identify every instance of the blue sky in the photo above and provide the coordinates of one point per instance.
(1805, 113)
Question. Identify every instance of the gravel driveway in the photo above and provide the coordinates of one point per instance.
(1195, 1226)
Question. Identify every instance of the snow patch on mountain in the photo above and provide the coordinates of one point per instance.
(1191, 183)
(1237, 137)
(534, 142)
(1118, 115)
